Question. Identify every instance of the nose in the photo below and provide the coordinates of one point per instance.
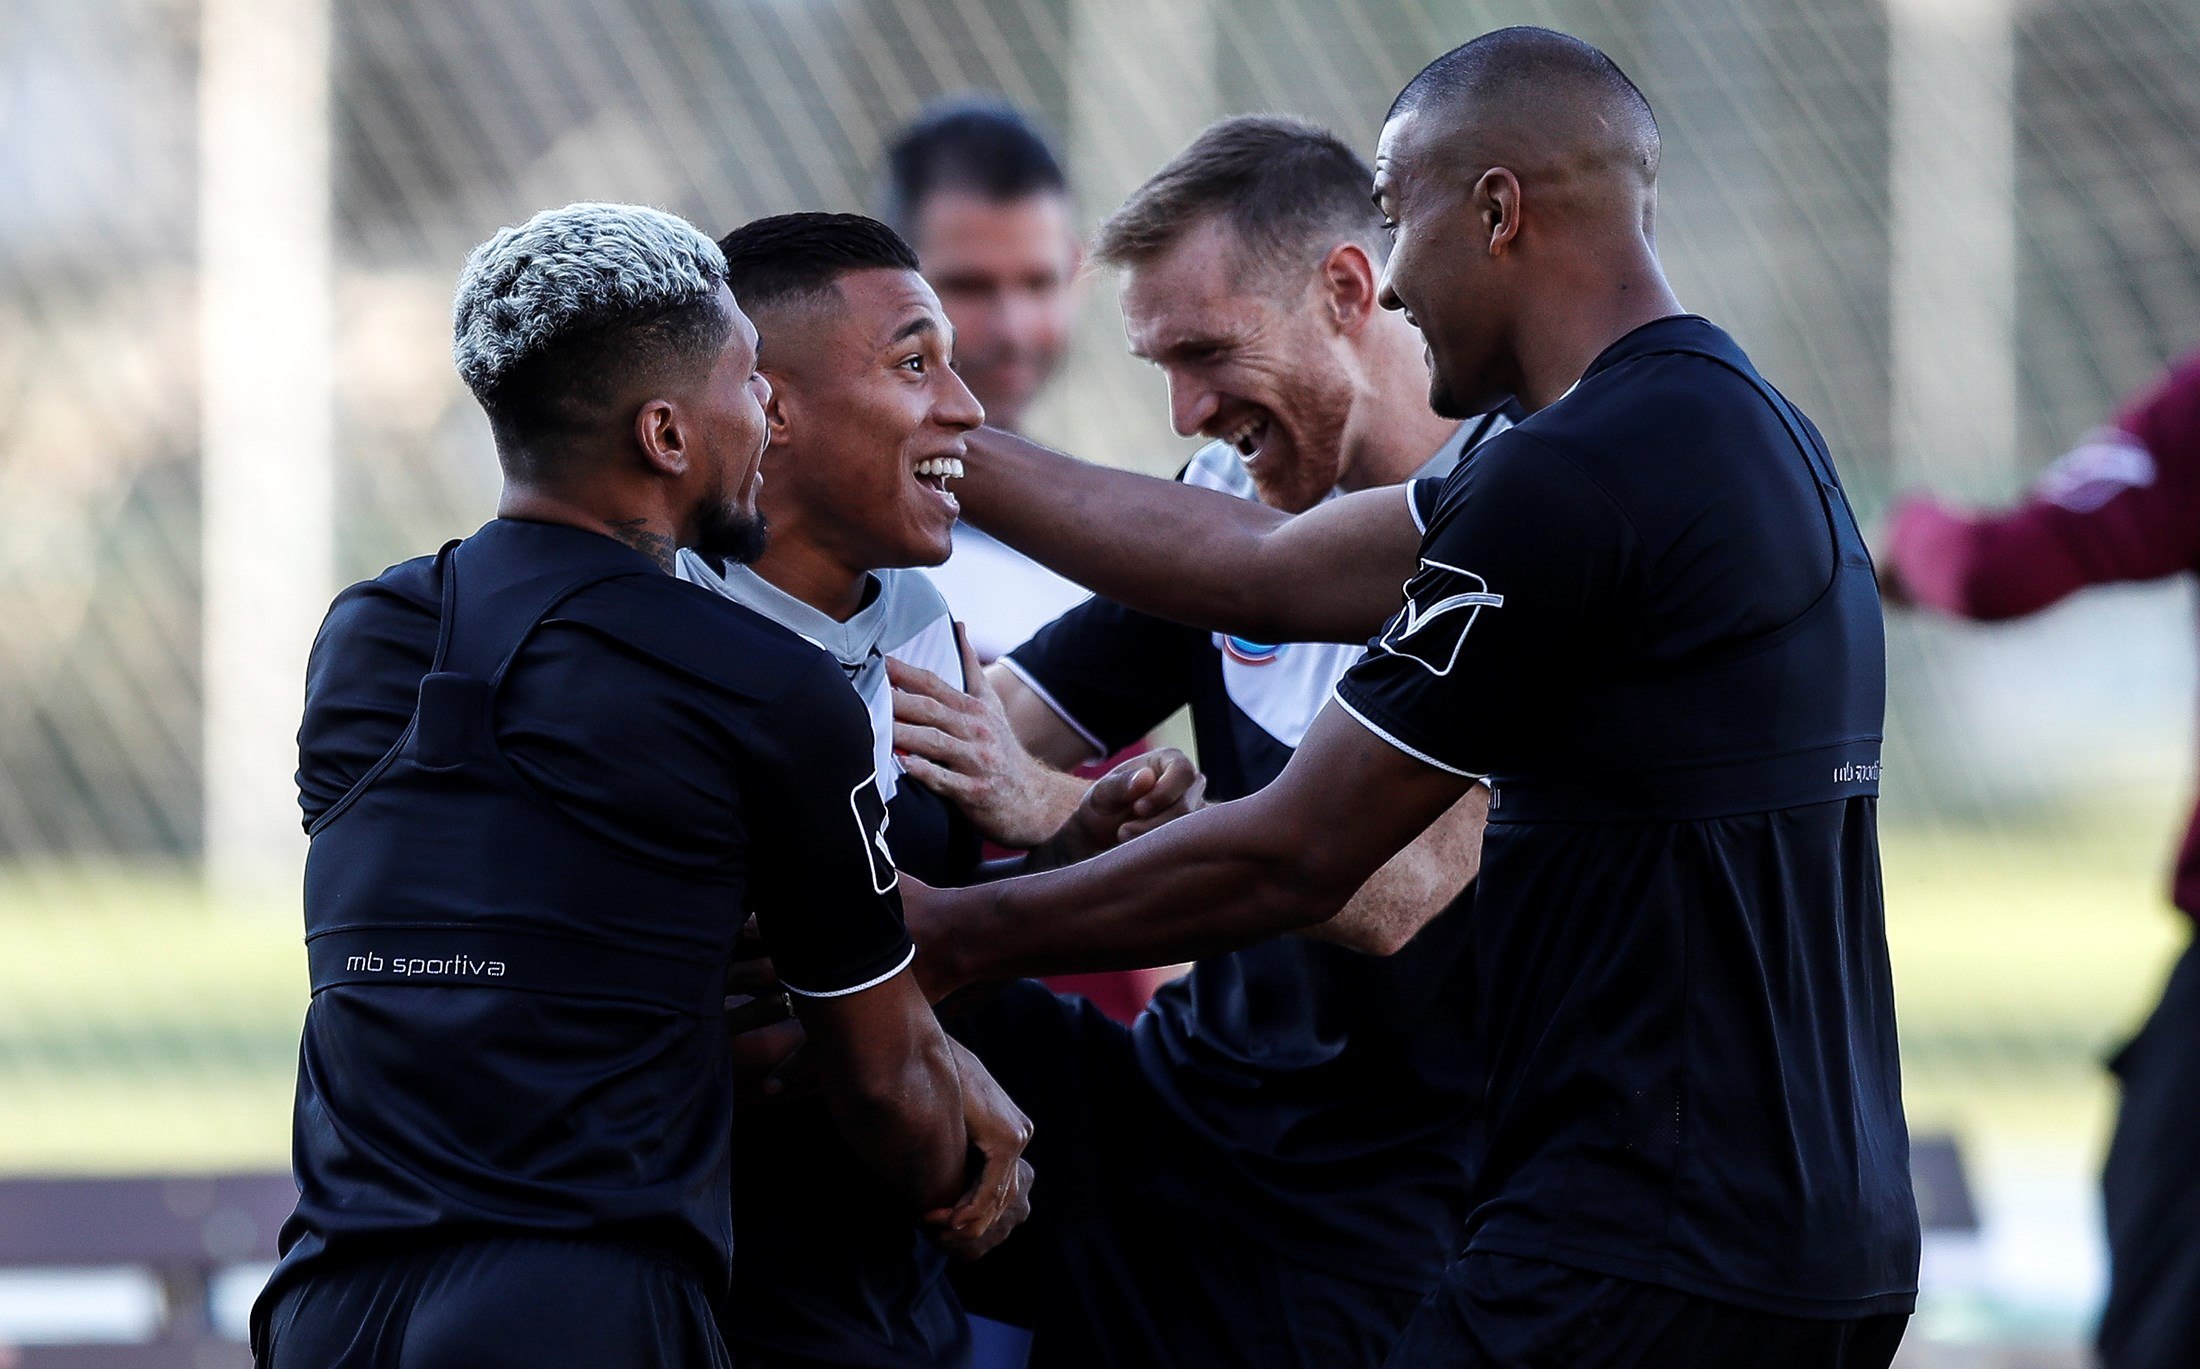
(1192, 404)
(956, 409)
(1385, 294)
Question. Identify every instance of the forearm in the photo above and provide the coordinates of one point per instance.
(1415, 885)
(1051, 797)
(1156, 545)
(1394, 904)
(1204, 885)
(1197, 556)
(1980, 566)
(906, 1124)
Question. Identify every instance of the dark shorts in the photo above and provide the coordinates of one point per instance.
(500, 1302)
(828, 1267)
(2150, 1188)
(1496, 1312)
(1119, 1266)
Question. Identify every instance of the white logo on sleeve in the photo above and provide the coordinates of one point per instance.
(1442, 602)
(2106, 464)
(871, 819)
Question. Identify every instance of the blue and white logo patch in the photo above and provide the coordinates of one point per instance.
(1442, 602)
(1246, 652)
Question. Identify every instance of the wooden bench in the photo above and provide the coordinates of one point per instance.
(184, 1230)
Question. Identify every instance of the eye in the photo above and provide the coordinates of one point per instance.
(1390, 228)
(912, 364)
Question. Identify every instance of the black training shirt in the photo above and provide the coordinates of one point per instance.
(1647, 616)
(1326, 1092)
(675, 761)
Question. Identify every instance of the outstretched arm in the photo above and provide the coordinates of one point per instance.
(1414, 885)
(1196, 556)
(1281, 860)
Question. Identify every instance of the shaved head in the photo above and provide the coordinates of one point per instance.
(1518, 177)
(1535, 100)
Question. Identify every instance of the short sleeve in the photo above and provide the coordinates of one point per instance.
(1519, 583)
(1112, 673)
(1421, 500)
(823, 882)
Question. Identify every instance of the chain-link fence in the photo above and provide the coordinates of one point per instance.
(1954, 230)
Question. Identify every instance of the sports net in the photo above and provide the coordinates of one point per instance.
(1954, 230)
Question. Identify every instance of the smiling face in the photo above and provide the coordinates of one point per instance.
(1443, 272)
(1260, 370)
(1006, 273)
(867, 423)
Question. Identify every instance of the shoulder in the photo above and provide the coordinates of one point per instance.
(1663, 400)
(397, 611)
(1217, 466)
(706, 637)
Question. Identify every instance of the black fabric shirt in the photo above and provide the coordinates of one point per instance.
(1647, 615)
(657, 763)
(1325, 1093)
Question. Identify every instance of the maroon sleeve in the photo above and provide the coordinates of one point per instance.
(2125, 505)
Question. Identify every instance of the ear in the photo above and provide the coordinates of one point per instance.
(778, 410)
(1350, 282)
(663, 444)
(1497, 201)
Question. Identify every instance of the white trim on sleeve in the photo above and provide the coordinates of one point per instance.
(1422, 756)
(853, 988)
(1099, 752)
(1413, 511)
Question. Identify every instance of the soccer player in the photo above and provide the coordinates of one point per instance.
(1647, 615)
(975, 189)
(1309, 1101)
(866, 422)
(544, 780)
(2125, 505)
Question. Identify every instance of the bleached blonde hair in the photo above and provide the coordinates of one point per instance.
(569, 270)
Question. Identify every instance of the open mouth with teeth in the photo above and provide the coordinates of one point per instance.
(1248, 437)
(934, 472)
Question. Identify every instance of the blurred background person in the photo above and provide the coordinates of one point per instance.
(2122, 506)
(974, 188)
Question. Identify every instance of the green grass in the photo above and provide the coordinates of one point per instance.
(2023, 954)
(143, 1028)
(140, 1028)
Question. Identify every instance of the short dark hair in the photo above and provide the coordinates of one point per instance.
(799, 258)
(1538, 58)
(979, 144)
(562, 390)
(1288, 190)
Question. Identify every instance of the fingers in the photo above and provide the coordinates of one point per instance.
(967, 1231)
(1193, 798)
(927, 711)
(1173, 779)
(934, 745)
(917, 680)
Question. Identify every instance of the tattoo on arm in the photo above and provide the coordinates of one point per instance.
(637, 533)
